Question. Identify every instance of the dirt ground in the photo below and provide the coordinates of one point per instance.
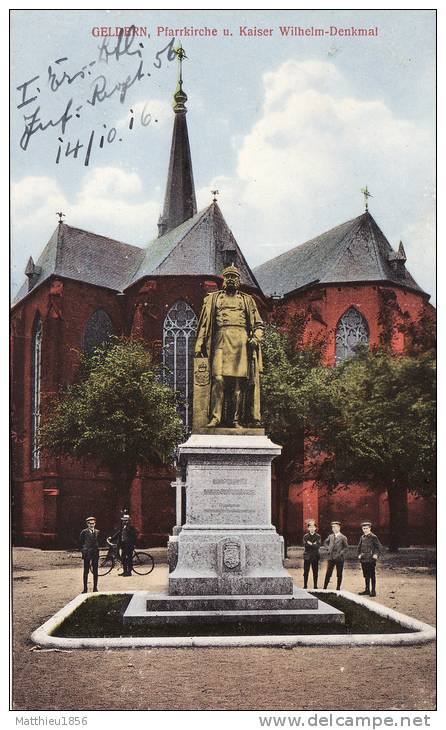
(382, 678)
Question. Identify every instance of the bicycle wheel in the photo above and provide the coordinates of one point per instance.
(106, 562)
(143, 563)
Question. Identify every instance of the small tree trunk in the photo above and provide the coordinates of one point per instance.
(123, 482)
(398, 517)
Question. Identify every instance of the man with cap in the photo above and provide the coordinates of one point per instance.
(229, 334)
(312, 543)
(369, 550)
(126, 538)
(89, 546)
(337, 545)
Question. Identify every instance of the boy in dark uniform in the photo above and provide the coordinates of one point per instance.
(89, 546)
(369, 550)
(312, 543)
(337, 545)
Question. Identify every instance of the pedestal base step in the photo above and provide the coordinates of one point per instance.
(259, 609)
(299, 599)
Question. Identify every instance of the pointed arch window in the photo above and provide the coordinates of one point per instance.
(36, 394)
(98, 330)
(179, 330)
(351, 330)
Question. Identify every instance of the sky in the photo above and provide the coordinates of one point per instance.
(289, 129)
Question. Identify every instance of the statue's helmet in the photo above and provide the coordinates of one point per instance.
(231, 271)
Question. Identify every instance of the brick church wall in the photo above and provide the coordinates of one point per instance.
(319, 309)
(51, 503)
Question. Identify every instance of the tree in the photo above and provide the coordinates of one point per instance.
(370, 419)
(379, 427)
(289, 385)
(118, 411)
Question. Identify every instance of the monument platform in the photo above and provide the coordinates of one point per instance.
(297, 609)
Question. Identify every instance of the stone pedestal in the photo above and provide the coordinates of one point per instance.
(228, 544)
(227, 558)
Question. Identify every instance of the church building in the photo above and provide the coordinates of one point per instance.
(346, 285)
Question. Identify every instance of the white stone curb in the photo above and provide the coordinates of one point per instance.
(423, 632)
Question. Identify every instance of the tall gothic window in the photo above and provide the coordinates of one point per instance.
(179, 330)
(352, 330)
(35, 395)
(98, 329)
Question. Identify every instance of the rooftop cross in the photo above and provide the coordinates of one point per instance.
(214, 194)
(61, 215)
(367, 195)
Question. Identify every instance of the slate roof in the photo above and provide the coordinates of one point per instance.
(354, 251)
(196, 247)
(88, 257)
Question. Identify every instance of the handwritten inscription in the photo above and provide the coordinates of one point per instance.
(109, 83)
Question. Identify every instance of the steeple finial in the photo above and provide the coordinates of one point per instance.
(367, 195)
(401, 252)
(180, 96)
(32, 272)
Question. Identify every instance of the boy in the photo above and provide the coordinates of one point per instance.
(89, 545)
(311, 542)
(369, 550)
(337, 546)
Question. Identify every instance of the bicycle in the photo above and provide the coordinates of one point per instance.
(143, 563)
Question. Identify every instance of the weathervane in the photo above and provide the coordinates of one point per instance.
(367, 195)
(214, 193)
(180, 96)
(180, 54)
(61, 215)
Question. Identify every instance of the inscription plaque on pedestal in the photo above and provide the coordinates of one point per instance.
(228, 544)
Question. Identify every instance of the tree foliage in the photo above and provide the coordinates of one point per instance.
(118, 410)
(370, 419)
(380, 423)
(290, 383)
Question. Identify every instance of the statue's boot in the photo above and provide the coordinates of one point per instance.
(238, 403)
(217, 394)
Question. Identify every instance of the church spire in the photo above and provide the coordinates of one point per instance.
(179, 201)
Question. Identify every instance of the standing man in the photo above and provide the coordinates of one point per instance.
(337, 545)
(126, 540)
(312, 543)
(89, 546)
(369, 550)
(229, 333)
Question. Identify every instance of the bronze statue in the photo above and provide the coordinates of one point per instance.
(228, 358)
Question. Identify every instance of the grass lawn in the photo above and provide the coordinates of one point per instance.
(101, 616)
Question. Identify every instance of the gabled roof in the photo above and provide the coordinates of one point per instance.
(84, 256)
(199, 246)
(354, 251)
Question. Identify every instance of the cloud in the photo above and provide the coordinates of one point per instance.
(110, 201)
(302, 165)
